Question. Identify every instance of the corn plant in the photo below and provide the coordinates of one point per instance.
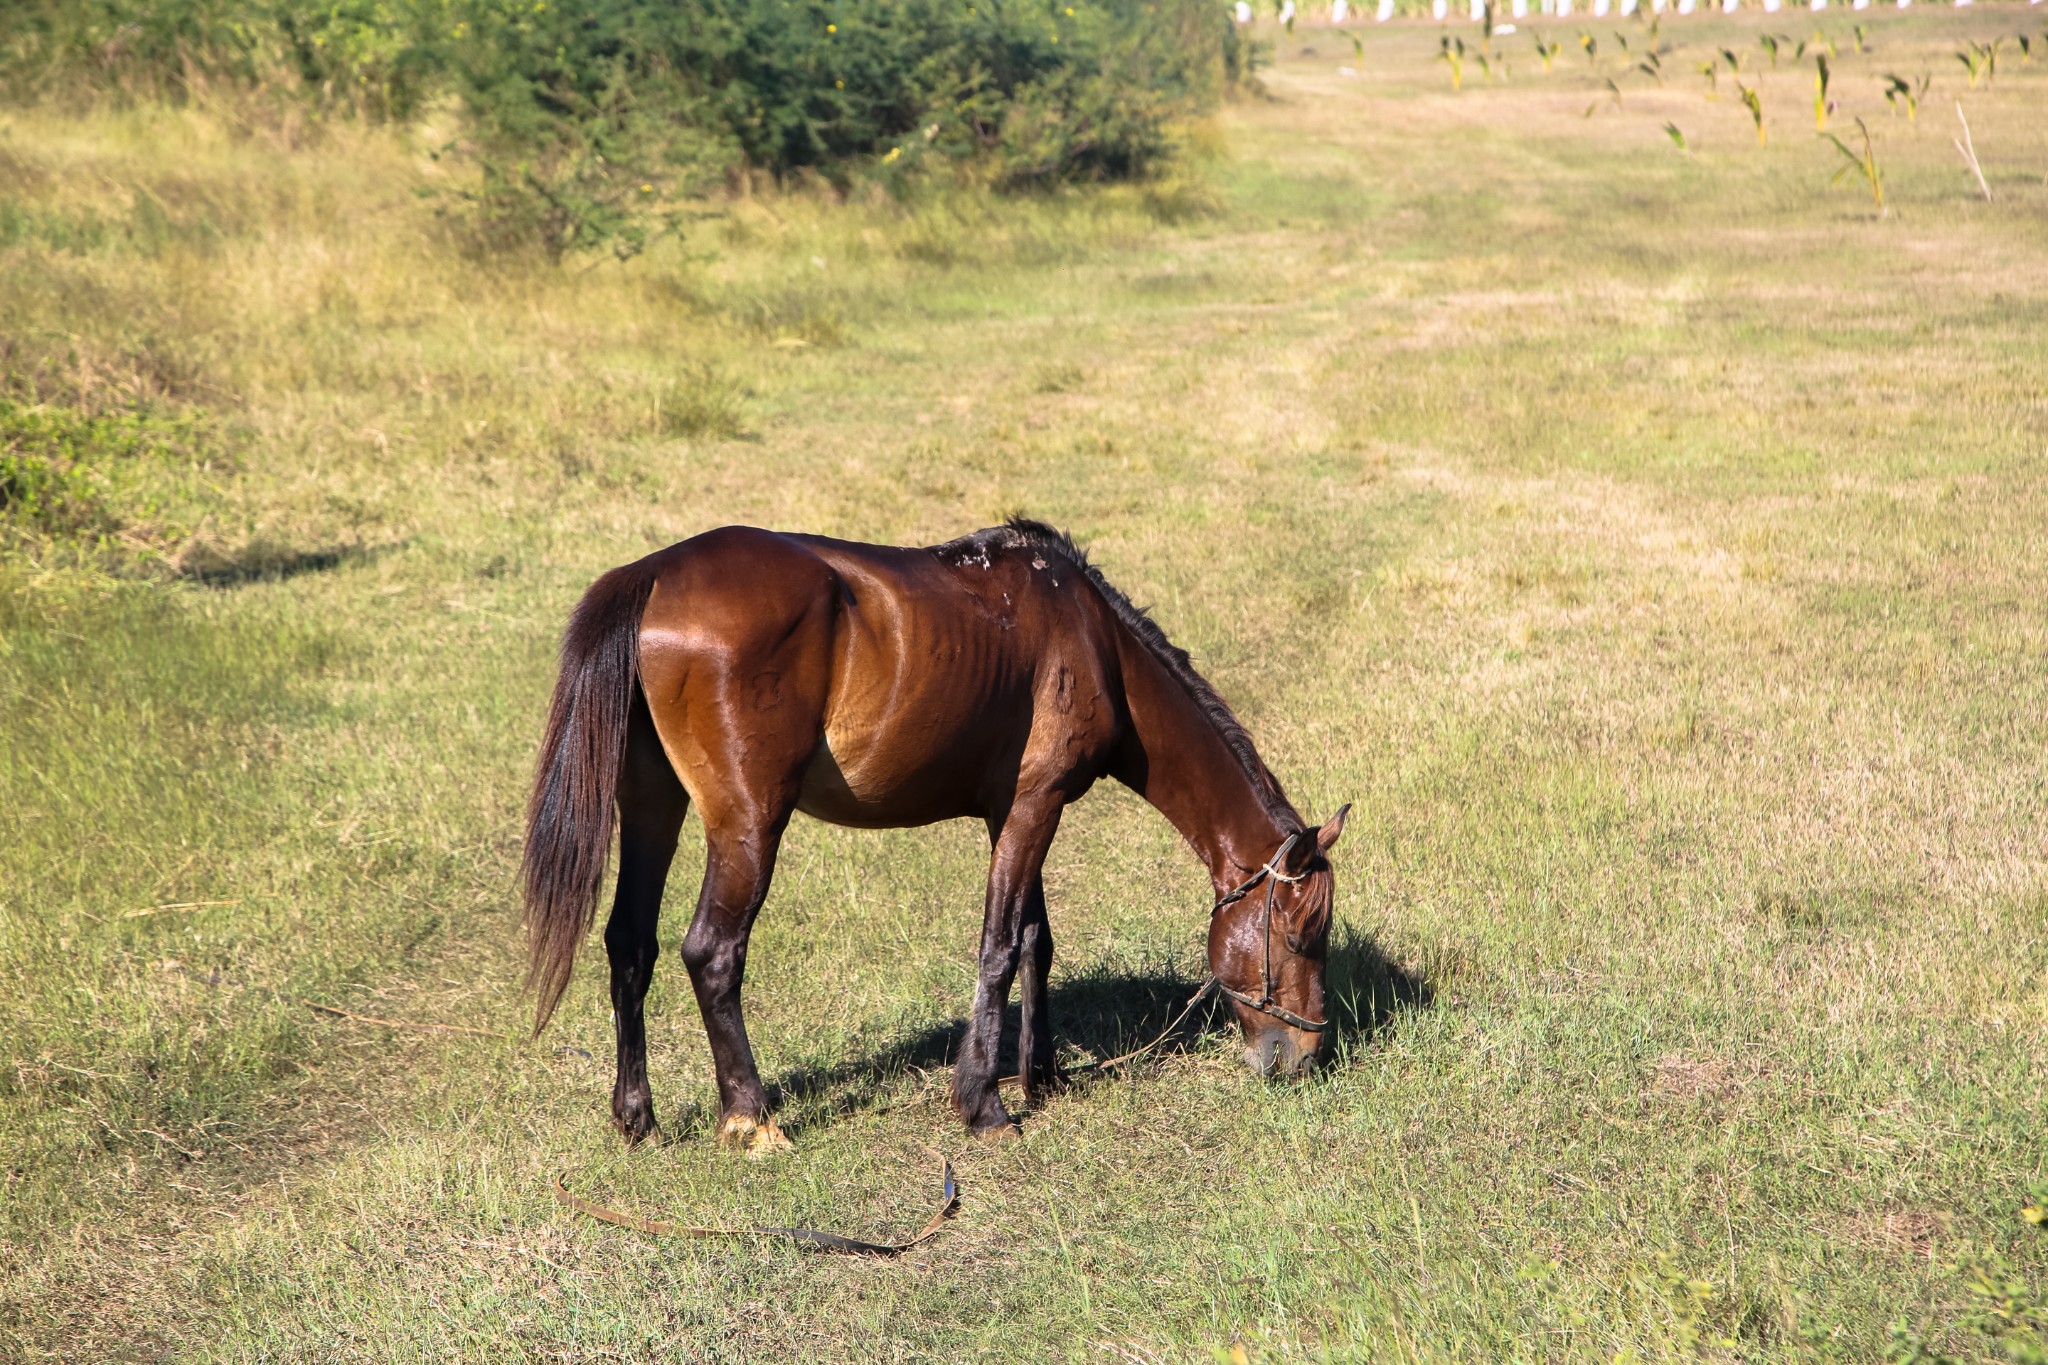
(1677, 138)
(1547, 51)
(1486, 66)
(1755, 105)
(1980, 60)
(1864, 163)
(1652, 67)
(1712, 71)
(1897, 93)
(1622, 38)
(1862, 39)
(1451, 52)
(1734, 62)
(1820, 92)
(2026, 50)
(1769, 43)
(1821, 39)
(1613, 93)
(1589, 45)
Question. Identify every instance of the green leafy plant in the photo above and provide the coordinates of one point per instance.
(1770, 43)
(1821, 105)
(1980, 60)
(1862, 38)
(1734, 62)
(1752, 102)
(1973, 63)
(1712, 71)
(1451, 52)
(1652, 66)
(1677, 138)
(1547, 51)
(1863, 163)
(1589, 45)
(1898, 93)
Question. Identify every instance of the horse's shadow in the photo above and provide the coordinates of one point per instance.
(1098, 1011)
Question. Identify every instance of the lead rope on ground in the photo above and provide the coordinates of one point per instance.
(811, 1237)
(832, 1241)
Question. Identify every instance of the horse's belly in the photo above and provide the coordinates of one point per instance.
(878, 790)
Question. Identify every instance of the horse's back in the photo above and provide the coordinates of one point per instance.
(916, 684)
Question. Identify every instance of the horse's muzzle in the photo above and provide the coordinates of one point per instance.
(1280, 1051)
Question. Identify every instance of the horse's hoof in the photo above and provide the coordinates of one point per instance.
(753, 1137)
(637, 1127)
(1000, 1134)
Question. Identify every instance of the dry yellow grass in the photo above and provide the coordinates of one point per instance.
(1648, 543)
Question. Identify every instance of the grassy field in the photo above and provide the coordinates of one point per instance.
(1651, 542)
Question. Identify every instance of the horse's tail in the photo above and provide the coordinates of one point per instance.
(569, 819)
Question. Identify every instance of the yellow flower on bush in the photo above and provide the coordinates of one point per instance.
(831, 28)
(894, 152)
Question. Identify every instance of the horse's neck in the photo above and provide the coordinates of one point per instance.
(1185, 769)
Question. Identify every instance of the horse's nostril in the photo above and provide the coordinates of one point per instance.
(1273, 1054)
(1263, 1054)
(1277, 1053)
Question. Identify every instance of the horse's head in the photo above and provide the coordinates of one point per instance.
(1268, 942)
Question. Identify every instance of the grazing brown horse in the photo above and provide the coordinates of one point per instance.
(995, 676)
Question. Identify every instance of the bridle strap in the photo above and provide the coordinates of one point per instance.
(1285, 1016)
(1272, 876)
(1270, 869)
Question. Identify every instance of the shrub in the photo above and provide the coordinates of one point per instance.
(356, 56)
(590, 121)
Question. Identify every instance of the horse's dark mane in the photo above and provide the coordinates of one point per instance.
(1020, 531)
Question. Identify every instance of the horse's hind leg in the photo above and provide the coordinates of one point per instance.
(1035, 1059)
(651, 804)
(739, 865)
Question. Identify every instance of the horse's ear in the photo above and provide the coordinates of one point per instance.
(1326, 837)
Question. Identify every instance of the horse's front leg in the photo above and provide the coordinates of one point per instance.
(1035, 1057)
(1013, 884)
(737, 871)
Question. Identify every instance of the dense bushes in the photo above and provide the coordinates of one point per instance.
(589, 121)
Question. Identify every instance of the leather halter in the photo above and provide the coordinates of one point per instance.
(1272, 876)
